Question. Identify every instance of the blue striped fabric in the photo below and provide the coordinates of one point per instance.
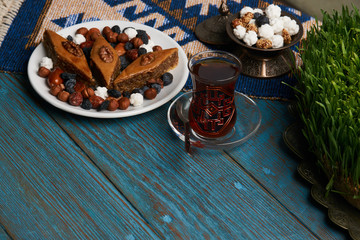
(34, 16)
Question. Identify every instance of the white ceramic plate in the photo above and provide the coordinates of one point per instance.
(180, 73)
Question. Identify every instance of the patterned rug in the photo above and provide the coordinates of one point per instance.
(25, 21)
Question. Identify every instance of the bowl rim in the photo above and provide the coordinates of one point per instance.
(295, 38)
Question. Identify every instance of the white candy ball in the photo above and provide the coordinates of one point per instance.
(292, 27)
(46, 63)
(245, 10)
(250, 38)
(285, 19)
(273, 11)
(239, 32)
(277, 41)
(101, 92)
(131, 32)
(277, 24)
(266, 31)
(258, 10)
(136, 99)
(79, 39)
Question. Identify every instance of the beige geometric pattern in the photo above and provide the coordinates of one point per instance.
(8, 11)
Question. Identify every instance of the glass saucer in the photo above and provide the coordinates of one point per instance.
(247, 122)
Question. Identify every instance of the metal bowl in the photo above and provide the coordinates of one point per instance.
(265, 63)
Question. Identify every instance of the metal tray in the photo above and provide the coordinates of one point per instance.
(339, 210)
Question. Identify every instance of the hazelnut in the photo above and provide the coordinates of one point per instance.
(83, 31)
(54, 90)
(113, 105)
(120, 49)
(94, 36)
(75, 99)
(123, 38)
(137, 42)
(124, 103)
(112, 38)
(132, 54)
(150, 93)
(96, 101)
(157, 48)
(90, 32)
(63, 96)
(87, 44)
(106, 30)
(107, 35)
(88, 92)
(43, 72)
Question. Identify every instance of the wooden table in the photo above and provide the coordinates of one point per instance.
(70, 177)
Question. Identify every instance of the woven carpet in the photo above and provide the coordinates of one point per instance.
(25, 21)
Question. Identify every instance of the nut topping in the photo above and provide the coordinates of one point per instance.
(147, 59)
(106, 55)
(73, 48)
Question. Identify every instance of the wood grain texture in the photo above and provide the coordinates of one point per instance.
(147, 185)
(267, 159)
(3, 234)
(204, 196)
(49, 187)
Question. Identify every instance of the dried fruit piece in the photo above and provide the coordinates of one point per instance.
(54, 77)
(104, 105)
(86, 104)
(132, 54)
(75, 99)
(96, 101)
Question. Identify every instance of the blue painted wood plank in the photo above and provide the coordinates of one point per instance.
(3, 234)
(207, 195)
(49, 188)
(267, 159)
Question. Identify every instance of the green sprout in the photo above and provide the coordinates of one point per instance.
(328, 96)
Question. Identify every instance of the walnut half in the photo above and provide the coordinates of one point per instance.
(73, 48)
(147, 59)
(106, 54)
